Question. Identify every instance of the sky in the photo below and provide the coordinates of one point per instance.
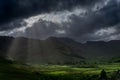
(81, 20)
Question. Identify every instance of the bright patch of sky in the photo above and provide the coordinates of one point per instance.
(104, 32)
(60, 31)
(55, 17)
(100, 5)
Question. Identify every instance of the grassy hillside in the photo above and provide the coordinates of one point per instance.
(14, 71)
(10, 70)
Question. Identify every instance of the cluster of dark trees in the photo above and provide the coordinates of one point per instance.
(114, 76)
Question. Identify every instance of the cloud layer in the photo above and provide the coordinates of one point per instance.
(82, 20)
(12, 9)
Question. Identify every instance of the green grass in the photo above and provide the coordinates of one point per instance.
(70, 69)
(16, 71)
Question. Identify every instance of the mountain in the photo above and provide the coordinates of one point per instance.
(57, 50)
(32, 51)
(94, 49)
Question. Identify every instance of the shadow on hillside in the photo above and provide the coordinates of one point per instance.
(9, 72)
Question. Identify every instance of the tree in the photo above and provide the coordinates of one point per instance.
(103, 75)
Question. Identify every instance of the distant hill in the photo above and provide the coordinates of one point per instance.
(94, 49)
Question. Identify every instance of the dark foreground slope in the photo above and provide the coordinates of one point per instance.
(14, 71)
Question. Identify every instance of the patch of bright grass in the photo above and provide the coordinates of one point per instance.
(69, 69)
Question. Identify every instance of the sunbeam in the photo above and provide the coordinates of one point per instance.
(17, 51)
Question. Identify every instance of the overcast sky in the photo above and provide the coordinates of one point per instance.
(81, 20)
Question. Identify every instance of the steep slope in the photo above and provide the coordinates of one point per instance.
(57, 50)
(50, 51)
(94, 49)
(10, 70)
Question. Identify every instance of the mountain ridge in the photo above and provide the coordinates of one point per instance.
(56, 50)
(38, 51)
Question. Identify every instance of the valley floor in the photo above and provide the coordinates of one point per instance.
(70, 69)
(16, 71)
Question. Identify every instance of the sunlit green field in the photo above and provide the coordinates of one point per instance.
(76, 69)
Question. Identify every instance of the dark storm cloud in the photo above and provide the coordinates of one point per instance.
(13, 9)
(12, 25)
(81, 27)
